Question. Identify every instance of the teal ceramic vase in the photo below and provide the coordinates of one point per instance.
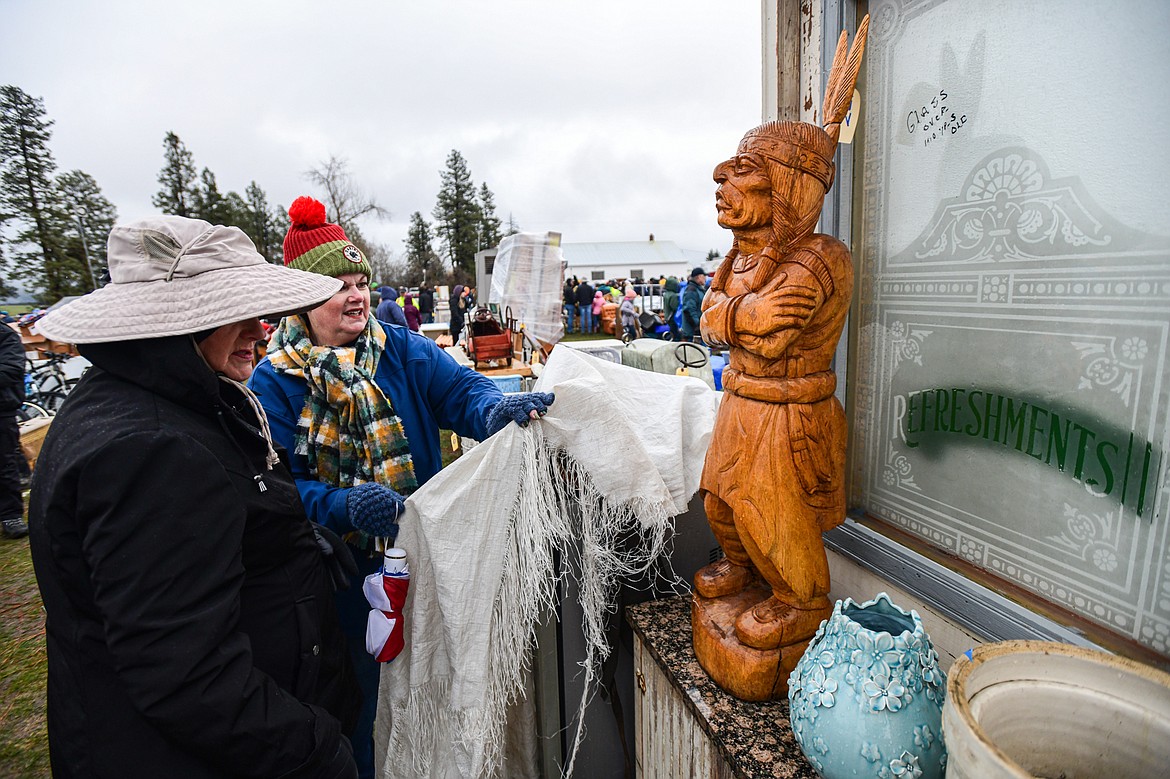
(866, 697)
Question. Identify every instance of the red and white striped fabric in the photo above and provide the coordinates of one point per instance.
(386, 593)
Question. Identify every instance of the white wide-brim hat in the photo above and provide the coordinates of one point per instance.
(171, 275)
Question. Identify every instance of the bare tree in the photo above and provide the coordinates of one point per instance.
(387, 267)
(345, 202)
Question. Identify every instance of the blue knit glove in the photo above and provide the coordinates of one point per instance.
(518, 409)
(374, 509)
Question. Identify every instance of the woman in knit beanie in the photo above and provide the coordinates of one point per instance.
(358, 404)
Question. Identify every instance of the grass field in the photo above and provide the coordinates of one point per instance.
(24, 745)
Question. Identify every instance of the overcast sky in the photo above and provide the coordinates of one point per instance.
(601, 118)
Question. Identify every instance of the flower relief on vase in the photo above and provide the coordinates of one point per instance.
(865, 699)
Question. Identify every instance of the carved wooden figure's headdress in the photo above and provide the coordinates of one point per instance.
(804, 146)
(842, 78)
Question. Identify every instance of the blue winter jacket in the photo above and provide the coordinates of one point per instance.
(388, 309)
(427, 389)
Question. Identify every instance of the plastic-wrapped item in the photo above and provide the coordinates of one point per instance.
(527, 278)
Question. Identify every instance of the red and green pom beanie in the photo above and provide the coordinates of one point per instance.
(313, 244)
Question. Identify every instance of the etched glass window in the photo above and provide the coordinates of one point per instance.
(1009, 396)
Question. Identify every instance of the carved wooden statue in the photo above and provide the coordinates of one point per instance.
(773, 480)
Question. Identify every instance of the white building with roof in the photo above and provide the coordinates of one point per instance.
(605, 260)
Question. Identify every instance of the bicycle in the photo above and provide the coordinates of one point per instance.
(31, 411)
(46, 383)
(52, 366)
(48, 399)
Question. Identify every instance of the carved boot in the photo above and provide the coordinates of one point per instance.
(722, 577)
(773, 623)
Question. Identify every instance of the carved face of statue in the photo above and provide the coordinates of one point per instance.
(744, 197)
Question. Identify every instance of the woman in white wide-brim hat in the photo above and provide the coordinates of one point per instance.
(190, 623)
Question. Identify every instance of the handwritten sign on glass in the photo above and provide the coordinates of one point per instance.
(934, 121)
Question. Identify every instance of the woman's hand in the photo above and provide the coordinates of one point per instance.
(519, 409)
(374, 509)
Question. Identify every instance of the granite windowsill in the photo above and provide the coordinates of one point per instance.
(755, 739)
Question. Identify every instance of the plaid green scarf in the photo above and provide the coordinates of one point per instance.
(347, 429)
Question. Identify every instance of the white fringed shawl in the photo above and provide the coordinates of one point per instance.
(624, 448)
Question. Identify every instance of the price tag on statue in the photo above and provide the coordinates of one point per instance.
(849, 123)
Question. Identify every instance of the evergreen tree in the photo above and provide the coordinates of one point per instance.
(5, 289)
(261, 224)
(94, 217)
(489, 223)
(422, 261)
(179, 194)
(280, 223)
(209, 202)
(29, 199)
(235, 211)
(457, 215)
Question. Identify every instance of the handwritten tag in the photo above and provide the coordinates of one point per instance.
(849, 123)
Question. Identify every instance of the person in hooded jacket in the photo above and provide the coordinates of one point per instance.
(411, 312)
(458, 304)
(629, 315)
(388, 309)
(190, 625)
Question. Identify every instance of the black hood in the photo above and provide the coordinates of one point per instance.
(171, 367)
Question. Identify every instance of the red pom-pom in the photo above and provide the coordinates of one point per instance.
(306, 212)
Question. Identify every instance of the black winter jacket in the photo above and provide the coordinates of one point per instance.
(584, 294)
(11, 370)
(426, 301)
(190, 620)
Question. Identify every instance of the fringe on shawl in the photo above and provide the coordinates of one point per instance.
(558, 509)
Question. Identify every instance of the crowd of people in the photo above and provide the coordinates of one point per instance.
(402, 308)
(610, 305)
(199, 526)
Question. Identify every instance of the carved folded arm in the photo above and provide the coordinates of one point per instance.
(785, 304)
(768, 321)
(718, 320)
